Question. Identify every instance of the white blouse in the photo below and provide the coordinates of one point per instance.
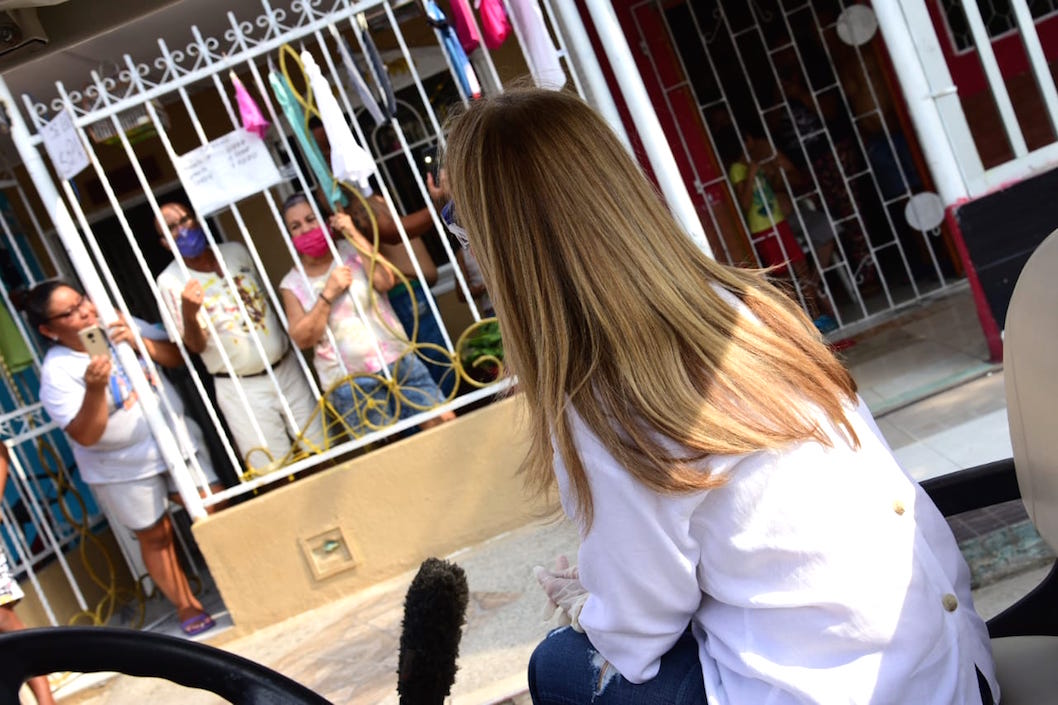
(814, 575)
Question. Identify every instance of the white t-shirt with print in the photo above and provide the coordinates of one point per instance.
(220, 306)
(127, 449)
(355, 337)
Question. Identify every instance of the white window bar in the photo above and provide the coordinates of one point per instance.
(483, 55)
(518, 33)
(176, 75)
(383, 158)
(32, 484)
(251, 244)
(995, 77)
(1037, 60)
(563, 51)
(585, 66)
(448, 62)
(931, 96)
(638, 101)
(856, 216)
(891, 146)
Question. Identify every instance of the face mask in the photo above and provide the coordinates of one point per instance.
(312, 243)
(191, 242)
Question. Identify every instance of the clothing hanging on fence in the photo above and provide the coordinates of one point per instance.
(378, 68)
(463, 22)
(494, 23)
(349, 161)
(543, 57)
(362, 91)
(296, 118)
(461, 66)
(249, 114)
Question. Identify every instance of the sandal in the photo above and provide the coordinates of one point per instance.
(197, 624)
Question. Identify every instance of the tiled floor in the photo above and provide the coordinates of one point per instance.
(347, 651)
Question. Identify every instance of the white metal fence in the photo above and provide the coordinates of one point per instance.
(806, 76)
(1019, 19)
(139, 121)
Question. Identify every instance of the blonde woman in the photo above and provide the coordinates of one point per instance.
(746, 535)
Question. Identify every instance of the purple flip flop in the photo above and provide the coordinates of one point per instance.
(197, 624)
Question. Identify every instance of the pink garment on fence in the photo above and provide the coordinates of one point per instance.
(494, 23)
(463, 21)
(249, 114)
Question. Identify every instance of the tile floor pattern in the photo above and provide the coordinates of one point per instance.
(926, 378)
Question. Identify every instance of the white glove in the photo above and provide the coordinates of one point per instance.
(564, 591)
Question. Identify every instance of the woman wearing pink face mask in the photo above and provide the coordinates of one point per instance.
(333, 295)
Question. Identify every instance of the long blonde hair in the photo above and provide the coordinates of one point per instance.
(607, 306)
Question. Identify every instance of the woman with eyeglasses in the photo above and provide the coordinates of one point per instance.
(91, 398)
(344, 298)
(746, 534)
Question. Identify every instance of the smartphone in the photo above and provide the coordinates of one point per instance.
(94, 340)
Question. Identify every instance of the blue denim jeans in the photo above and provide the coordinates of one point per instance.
(438, 364)
(565, 669)
(369, 405)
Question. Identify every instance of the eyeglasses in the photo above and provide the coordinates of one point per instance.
(184, 222)
(70, 311)
(448, 215)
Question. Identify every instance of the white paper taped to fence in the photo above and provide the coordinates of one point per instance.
(226, 170)
(64, 146)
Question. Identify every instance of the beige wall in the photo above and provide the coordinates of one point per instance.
(429, 495)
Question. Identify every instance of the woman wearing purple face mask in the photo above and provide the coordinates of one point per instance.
(190, 242)
(333, 295)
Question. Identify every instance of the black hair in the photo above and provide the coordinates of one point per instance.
(314, 122)
(35, 302)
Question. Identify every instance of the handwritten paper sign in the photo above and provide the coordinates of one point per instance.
(226, 170)
(64, 146)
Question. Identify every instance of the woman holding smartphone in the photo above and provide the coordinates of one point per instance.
(89, 395)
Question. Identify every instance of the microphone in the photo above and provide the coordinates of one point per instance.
(434, 611)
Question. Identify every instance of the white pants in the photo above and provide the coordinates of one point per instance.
(277, 434)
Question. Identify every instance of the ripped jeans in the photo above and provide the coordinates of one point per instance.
(565, 669)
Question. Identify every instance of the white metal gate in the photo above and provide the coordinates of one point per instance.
(137, 121)
(808, 77)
